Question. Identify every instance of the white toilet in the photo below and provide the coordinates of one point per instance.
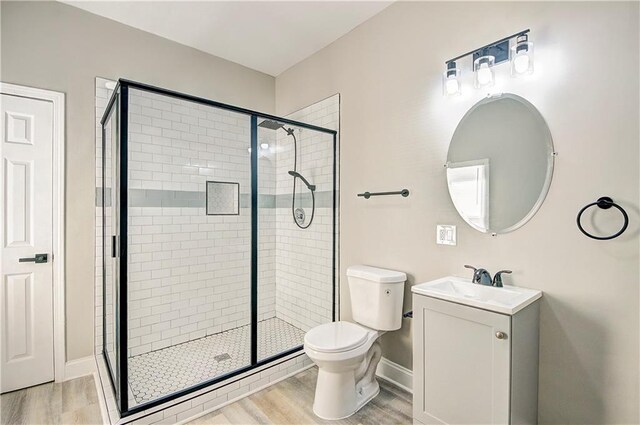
(346, 353)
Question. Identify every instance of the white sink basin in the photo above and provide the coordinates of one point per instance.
(506, 300)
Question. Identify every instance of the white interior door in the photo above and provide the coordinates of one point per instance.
(26, 295)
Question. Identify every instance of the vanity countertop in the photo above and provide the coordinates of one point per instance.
(506, 300)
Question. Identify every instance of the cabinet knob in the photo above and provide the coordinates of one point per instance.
(501, 335)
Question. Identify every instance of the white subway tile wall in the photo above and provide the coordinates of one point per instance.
(267, 279)
(304, 257)
(189, 273)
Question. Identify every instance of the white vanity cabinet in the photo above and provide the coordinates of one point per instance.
(472, 365)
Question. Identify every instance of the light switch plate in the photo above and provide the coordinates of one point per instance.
(446, 234)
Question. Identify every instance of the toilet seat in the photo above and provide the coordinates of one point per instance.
(336, 337)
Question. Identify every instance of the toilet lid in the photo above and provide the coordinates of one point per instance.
(335, 336)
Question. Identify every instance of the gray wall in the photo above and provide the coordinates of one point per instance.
(53, 46)
(395, 131)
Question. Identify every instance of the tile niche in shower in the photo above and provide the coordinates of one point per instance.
(209, 282)
(223, 198)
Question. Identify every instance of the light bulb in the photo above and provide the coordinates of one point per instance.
(521, 63)
(452, 86)
(264, 145)
(483, 67)
(522, 57)
(484, 74)
(451, 80)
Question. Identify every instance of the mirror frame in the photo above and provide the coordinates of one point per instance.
(549, 173)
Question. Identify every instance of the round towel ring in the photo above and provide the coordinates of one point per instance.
(604, 203)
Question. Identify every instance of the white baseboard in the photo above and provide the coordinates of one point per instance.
(101, 402)
(396, 374)
(79, 367)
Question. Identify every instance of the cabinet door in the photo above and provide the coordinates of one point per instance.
(461, 367)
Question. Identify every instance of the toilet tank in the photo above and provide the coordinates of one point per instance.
(376, 296)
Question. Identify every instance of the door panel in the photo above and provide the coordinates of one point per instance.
(19, 203)
(26, 295)
(19, 307)
(463, 369)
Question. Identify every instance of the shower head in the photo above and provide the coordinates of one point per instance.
(275, 125)
(271, 125)
(311, 187)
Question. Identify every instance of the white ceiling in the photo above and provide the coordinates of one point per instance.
(263, 35)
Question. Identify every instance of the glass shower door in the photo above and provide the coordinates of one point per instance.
(110, 237)
(188, 245)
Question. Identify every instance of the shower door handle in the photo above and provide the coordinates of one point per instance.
(113, 246)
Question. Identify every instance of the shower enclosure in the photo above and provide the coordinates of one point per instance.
(218, 240)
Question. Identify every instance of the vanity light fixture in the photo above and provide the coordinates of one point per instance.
(451, 80)
(522, 56)
(486, 58)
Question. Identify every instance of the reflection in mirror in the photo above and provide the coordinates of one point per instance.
(500, 163)
(469, 188)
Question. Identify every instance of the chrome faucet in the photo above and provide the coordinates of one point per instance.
(483, 277)
(497, 279)
(480, 276)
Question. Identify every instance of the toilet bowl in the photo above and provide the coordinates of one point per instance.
(347, 354)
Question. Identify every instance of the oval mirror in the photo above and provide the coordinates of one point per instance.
(500, 163)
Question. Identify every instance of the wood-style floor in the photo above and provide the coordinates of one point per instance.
(290, 402)
(70, 402)
(287, 402)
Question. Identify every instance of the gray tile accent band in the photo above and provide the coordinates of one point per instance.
(303, 200)
(166, 198)
(195, 199)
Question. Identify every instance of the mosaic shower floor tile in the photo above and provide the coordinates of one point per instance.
(162, 372)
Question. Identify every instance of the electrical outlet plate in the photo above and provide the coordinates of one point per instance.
(446, 234)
